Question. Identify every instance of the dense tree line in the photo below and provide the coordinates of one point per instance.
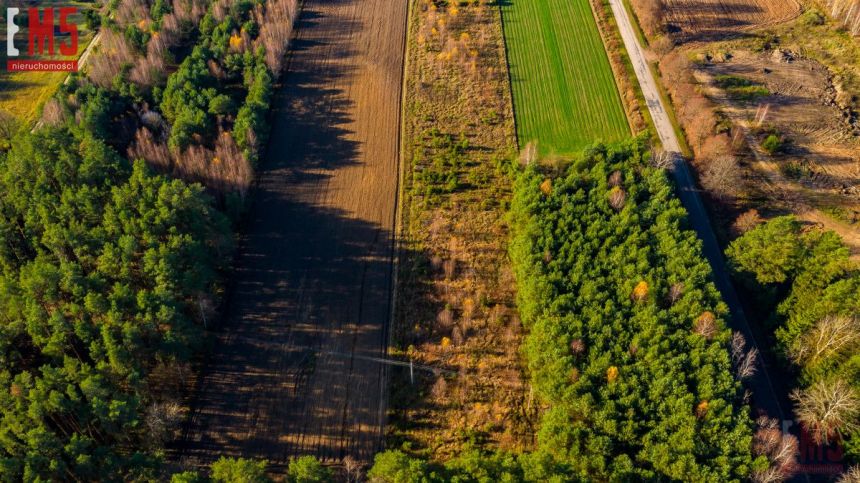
(627, 342)
(104, 265)
(108, 268)
(808, 277)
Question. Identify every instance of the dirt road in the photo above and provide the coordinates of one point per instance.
(761, 384)
(314, 273)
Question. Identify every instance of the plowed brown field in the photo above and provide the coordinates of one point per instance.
(289, 373)
(713, 19)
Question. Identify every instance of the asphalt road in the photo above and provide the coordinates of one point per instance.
(295, 369)
(764, 396)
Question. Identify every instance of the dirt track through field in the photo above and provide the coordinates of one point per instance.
(312, 291)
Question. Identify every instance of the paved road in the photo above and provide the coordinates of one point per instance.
(764, 396)
(295, 369)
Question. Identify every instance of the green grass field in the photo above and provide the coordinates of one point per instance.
(565, 96)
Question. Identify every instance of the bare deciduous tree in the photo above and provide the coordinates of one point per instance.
(457, 336)
(722, 177)
(743, 360)
(747, 365)
(445, 318)
(826, 408)
(778, 447)
(53, 113)
(661, 159)
(652, 17)
(146, 147)
(189, 10)
(577, 347)
(851, 475)
(113, 52)
(162, 420)
(617, 198)
(131, 12)
(223, 170)
(449, 268)
(353, 470)
(675, 292)
(738, 344)
(746, 221)
(706, 325)
(830, 336)
(150, 69)
(276, 22)
(440, 389)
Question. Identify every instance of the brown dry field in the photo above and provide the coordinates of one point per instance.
(715, 19)
(312, 289)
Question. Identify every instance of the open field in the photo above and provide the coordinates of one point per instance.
(455, 306)
(713, 19)
(290, 373)
(565, 95)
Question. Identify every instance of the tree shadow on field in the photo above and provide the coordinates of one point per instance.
(291, 370)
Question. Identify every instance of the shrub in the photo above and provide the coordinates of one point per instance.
(239, 470)
(307, 469)
(772, 144)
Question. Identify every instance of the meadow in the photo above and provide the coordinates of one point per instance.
(565, 96)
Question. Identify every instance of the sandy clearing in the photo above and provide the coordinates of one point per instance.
(313, 278)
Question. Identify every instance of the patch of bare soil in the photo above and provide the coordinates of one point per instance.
(818, 169)
(292, 370)
(712, 19)
(455, 310)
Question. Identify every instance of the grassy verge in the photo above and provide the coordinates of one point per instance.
(455, 298)
(664, 96)
(631, 92)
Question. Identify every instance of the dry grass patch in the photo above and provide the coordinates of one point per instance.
(456, 290)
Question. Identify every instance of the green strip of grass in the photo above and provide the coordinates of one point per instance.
(565, 95)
